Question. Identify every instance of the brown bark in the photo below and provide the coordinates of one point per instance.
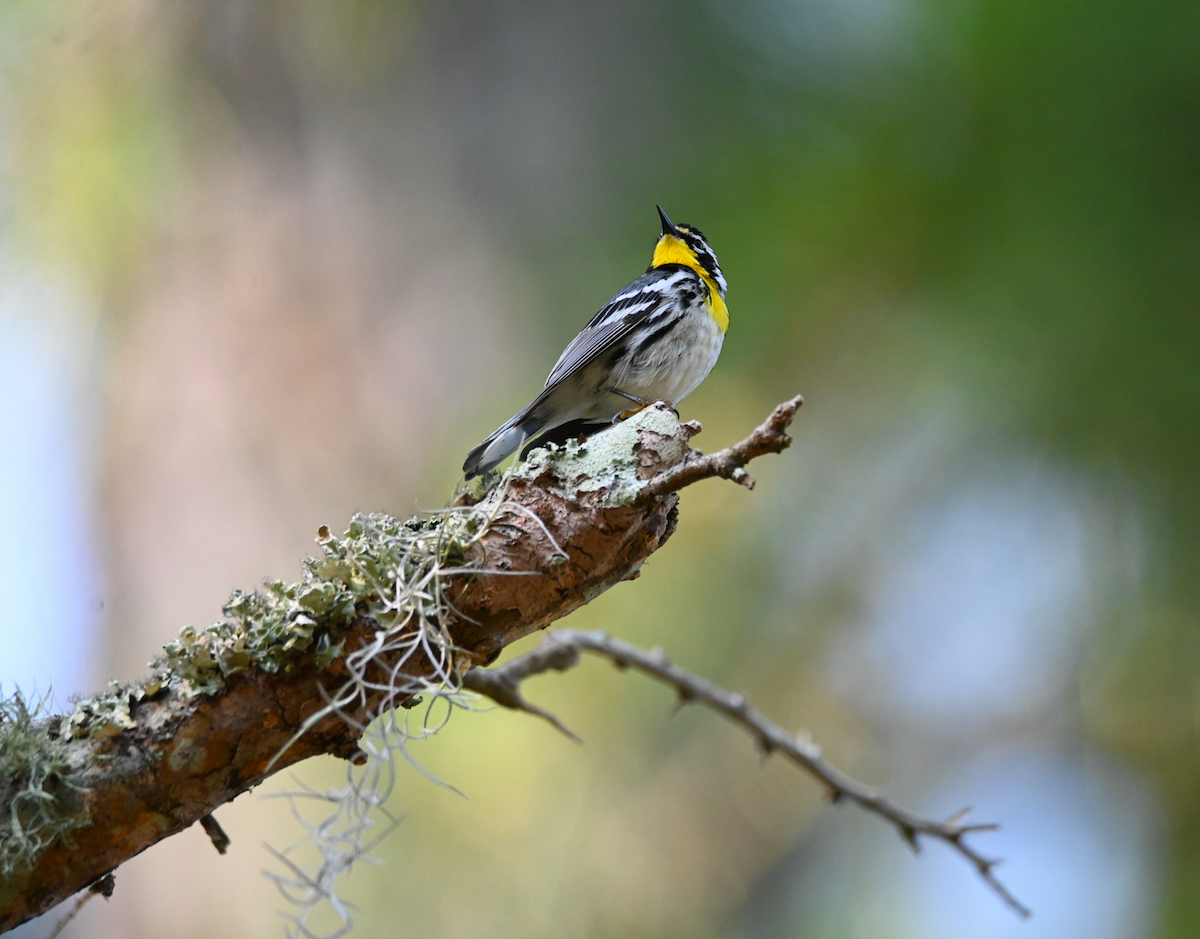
(188, 755)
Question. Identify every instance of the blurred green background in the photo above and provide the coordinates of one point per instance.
(263, 264)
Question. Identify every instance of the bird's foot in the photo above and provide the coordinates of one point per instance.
(642, 405)
(625, 415)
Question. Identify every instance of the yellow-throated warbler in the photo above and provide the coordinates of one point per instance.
(656, 340)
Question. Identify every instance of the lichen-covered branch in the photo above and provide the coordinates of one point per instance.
(286, 674)
(561, 649)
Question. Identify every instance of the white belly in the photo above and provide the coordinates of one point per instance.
(673, 368)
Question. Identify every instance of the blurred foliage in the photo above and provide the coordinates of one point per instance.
(995, 200)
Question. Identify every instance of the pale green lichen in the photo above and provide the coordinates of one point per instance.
(609, 461)
(267, 629)
(34, 778)
(104, 715)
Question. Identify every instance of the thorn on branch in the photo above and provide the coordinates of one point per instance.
(104, 885)
(553, 720)
(505, 690)
(216, 833)
(682, 699)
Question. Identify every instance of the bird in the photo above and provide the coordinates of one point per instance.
(655, 340)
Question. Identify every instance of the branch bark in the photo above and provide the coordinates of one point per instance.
(578, 521)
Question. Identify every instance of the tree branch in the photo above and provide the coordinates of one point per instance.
(561, 649)
(391, 606)
(730, 463)
(277, 680)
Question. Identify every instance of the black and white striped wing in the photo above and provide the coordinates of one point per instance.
(637, 304)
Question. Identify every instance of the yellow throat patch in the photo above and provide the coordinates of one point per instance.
(671, 250)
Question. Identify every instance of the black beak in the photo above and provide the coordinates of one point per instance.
(668, 228)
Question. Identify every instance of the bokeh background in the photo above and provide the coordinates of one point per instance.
(264, 263)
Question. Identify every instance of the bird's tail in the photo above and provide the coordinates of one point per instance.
(504, 441)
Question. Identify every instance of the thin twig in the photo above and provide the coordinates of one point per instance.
(730, 463)
(102, 887)
(561, 649)
(503, 685)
